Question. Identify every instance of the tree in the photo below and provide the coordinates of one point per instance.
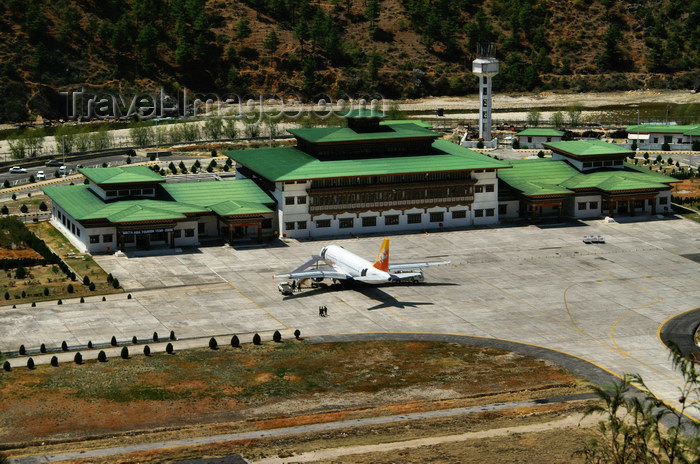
(277, 336)
(43, 206)
(611, 58)
(213, 344)
(235, 342)
(533, 117)
(270, 43)
(70, 288)
(574, 112)
(113, 342)
(30, 363)
(146, 350)
(257, 340)
(20, 272)
(4, 210)
(124, 353)
(102, 356)
(557, 120)
(242, 28)
(78, 358)
(213, 128)
(372, 10)
(297, 334)
(169, 348)
(23, 209)
(632, 429)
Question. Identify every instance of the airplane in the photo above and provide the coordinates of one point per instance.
(347, 266)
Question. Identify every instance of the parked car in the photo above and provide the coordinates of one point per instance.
(54, 163)
(62, 170)
(284, 288)
(40, 175)
(17, 170)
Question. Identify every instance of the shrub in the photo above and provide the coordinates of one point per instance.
(128, 160)
(30, 363)
(297, 334)
(42, 348)
(213, 345)
(4, 210)
(86, 280)
(24, 294)
(155, 336)
(82, 300)
(125, 353)
(172, 335)
(277, 336)
(70, 288)
(64, 346)
(7, 295)
(113, 342)
(169, 348)
(14, 196)
(20, 272)
(101, 356)
(33, 304)
(23, 209)
(89, 345)
(257, 340)
(147, 350)
(22, 350)
(665, 147)
(59, 302)
(46, 291)
(634, 146)
(6, 366)
(115, 283)
(516, 144)
(235, 342)
(32, 179)
(695, 146)
(110, 278)
(78, 358)
(104, 298)
(54, 361)
(134, 340)
(6, 184)
(128, 297)
(43, 206)
(213, 153)
(540, 154)
(92, 286)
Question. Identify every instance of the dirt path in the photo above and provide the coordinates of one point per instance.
(574, 420)
(312, 428)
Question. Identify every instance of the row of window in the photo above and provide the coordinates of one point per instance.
(129, 192)
(591, 205)
(489, 212)
(598, 164)
(106, 238)
(290, 200)
(68, 225)
(389, 220)
(484, 188)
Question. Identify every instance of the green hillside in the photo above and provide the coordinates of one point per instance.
(399, 48)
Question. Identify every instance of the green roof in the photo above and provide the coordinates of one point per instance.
(417, 122)
(363, 113)
(541, 133)
(588, 148)
(289, 163)
(121, 175)
(539, 177)
(345, 134)
(225, 198)
(665, 129)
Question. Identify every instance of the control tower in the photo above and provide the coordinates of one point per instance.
(485, 68)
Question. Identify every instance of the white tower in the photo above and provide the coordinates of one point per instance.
(485, 68)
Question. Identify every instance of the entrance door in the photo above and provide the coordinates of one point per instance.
(142, 241)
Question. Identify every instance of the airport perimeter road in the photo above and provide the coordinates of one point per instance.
(538, 285)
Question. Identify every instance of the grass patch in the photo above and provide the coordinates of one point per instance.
(192, 386)
(32, 204)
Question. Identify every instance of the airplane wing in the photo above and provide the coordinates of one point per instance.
(314, 274)
(402, 267)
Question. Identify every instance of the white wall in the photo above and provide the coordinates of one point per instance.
(572, 206)
(537, 141)
(512, 209)
(485, 200)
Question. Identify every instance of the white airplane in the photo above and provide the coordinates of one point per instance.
(345, 265)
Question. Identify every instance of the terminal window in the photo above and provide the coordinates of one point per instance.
(200, 227)
(478, 189)
(478, 213)
(94, 239)
(177, 233)
(490, 212)
(301, 225)
(289, 200)
(663, 200)
(345, 223)
(593, 205)
(189, 232)
(107, 238)
(289, 226)
(582, 205)
(461, 214)
(369, 221)
(489, 187)
(301, 200)
(391, 220)
(437, 216)
(323, 223)
(502, 209)
(414, 218)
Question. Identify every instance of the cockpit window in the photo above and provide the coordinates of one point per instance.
(323, 253)
(364, 272)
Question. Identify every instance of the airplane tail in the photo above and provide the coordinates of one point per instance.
(382, 262)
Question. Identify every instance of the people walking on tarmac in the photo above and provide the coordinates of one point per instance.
(325, 311)
(322, 311)
(294, 285)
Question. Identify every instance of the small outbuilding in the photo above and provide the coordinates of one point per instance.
(534, 138)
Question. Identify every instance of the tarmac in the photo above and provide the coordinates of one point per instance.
(535, 285)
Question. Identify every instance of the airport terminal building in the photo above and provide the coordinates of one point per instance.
(133, 208)
(373, 176)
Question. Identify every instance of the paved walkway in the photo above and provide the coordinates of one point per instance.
(302, 429)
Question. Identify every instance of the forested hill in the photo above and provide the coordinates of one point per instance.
(400, 48)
